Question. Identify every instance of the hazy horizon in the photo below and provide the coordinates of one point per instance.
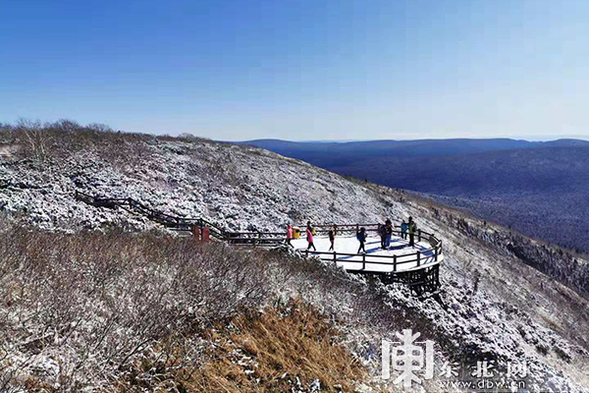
(530, 139)
(549, 139)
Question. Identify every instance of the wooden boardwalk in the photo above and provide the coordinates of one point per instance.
(418, 266)
(399, 257)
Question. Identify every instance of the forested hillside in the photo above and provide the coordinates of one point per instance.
(538, 188)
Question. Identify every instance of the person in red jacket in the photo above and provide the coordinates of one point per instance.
(289, 235)
(310, 237)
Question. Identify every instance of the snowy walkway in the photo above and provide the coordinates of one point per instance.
(376, 259)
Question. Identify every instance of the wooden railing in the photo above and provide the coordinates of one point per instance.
(419, 257)
(343, 228)
(353, 228)
(167, 220)
(274, 238)
(183, 223)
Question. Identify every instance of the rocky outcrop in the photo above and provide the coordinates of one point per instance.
(551, 260)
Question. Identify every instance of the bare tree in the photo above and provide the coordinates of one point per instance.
(36, 139)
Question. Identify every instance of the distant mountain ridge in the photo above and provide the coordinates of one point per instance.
(539, 188)
(330, 154)
(441, 146)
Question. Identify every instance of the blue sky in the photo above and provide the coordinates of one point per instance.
(301, 70)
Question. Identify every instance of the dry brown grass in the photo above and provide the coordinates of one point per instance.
(301, 345)
(270, 351)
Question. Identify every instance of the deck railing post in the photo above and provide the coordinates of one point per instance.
(395, 263)
(436, 253)
(419, 235)
(418, 258)
(363, 261)
(334, 257)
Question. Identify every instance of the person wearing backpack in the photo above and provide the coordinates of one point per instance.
(412, 229)
(310, 237)
(382, 232)
(361, 236)
(331, 235)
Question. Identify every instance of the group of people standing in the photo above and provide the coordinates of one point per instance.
(385, 231)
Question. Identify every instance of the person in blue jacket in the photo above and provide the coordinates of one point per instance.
(404, 229)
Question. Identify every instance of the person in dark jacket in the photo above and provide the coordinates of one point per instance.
(382, 232)
(412, 229)
(361, 236)
(331, 234)
(388, 232)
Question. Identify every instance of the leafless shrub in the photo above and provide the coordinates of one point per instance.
(35, 140)
(186, 137)
(65, 138)
(86, 308)
(95, 301)
(5, 133)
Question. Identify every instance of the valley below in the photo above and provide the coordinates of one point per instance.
(538, 188)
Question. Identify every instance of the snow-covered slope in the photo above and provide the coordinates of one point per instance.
(241, 187)
(493, 305)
